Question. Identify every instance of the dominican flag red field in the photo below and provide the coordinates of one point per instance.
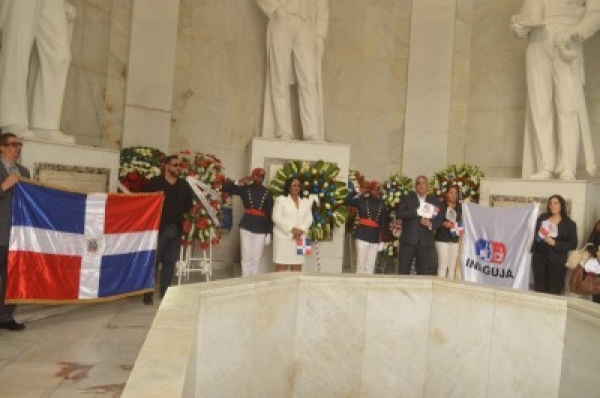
(75, 247)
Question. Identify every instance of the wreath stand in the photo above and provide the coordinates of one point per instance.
(188, 261)
(191, 262)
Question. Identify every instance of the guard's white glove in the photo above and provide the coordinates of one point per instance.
(381, 247)
(267, 239)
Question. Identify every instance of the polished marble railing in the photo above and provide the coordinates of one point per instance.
(302, 335)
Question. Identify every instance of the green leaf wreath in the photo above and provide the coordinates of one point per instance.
(394, 188)
(467, 177)
(320, 178)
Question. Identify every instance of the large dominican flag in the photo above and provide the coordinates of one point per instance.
(69, 247)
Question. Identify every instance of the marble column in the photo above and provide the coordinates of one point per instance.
(148, 103)
(429, 92)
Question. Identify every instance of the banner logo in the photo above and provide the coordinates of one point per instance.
(490, 251)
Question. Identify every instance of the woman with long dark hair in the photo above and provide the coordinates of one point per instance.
(556, 235)
(446, 236)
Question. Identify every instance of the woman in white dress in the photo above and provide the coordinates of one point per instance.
(292, 217)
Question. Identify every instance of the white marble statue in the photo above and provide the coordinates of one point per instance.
(295, 44)
(556, 111)
(23, 24)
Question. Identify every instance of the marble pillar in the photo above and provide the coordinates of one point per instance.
(428, 97)
(148, 104)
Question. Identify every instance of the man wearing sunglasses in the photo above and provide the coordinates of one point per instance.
(178, 200)
(10, 173)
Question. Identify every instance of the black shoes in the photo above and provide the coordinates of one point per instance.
(12, 325)
(148, 300)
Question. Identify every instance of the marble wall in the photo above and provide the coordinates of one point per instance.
(294, 335)
(95, 93)
(218, 83)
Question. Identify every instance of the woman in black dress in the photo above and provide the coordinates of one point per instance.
(556, 235)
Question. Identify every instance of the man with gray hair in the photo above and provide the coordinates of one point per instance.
(10, 173)
(418, 211)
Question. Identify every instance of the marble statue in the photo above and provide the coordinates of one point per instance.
(295, 44)
(23, 24)
(555, 30)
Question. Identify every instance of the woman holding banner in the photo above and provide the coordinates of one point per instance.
(556, 235)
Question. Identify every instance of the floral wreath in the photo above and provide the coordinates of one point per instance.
(394, 188)
(466, 177)
(320, 180)
(198, 225)
(137, 165)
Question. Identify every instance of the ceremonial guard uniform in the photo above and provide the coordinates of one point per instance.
(256, 225)
(369, 234)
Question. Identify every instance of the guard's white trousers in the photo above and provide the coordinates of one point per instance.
(366, 255)
(24, 22)
(252, 248)
(447, 254)
(293, 39)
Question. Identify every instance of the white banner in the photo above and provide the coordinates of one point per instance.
(496, 245)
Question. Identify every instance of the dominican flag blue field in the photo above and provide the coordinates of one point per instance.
(74, 247)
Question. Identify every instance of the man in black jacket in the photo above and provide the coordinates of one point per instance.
(418, 212)
(178, 200)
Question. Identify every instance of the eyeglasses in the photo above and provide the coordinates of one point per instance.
(14, 144)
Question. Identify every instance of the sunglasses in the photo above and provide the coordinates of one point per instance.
(14, 144)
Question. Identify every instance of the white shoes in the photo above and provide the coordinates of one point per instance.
(54, 135)
(314, 138)
(541, 175)
(24, 132)
(567, 175)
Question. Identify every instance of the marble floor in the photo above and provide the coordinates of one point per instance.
(84, 351)
(87, 351)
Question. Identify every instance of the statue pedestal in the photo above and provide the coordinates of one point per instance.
(271, 154)
(72, 166)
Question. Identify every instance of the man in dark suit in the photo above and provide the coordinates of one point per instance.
(10, 173)
(417, 211)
